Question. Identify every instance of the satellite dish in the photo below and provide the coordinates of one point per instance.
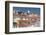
(28, 11)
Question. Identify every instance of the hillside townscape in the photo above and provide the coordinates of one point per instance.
(23, 19)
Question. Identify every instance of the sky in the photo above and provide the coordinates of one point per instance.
(27, 9)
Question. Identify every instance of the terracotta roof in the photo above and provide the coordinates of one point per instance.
(24, 20)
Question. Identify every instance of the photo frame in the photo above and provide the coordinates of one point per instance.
(24, 17)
